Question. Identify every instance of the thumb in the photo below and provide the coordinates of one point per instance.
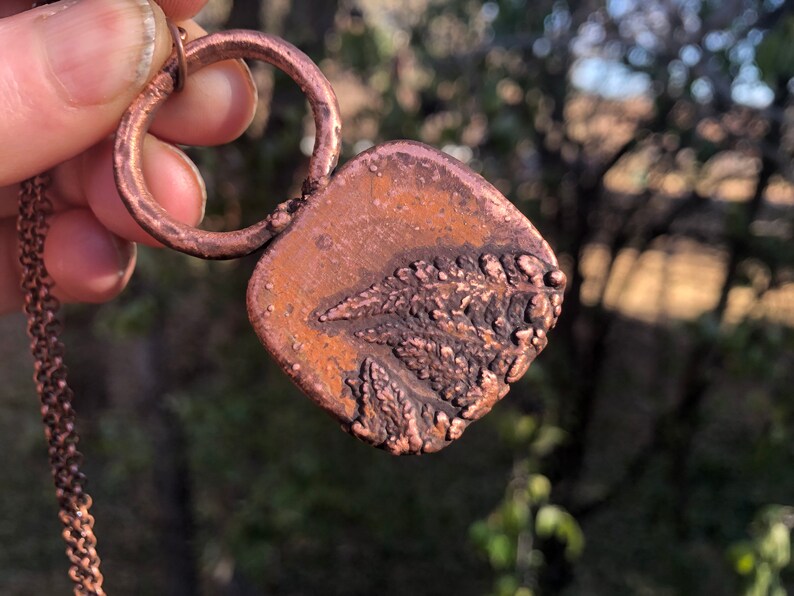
(68, 72)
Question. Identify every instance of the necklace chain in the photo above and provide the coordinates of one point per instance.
(55, 394)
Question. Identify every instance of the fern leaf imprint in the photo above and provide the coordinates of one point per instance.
(461, 328)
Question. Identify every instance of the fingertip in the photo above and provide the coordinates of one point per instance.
(172, 179)
(69, 71)
(85, 260)
(215, 107)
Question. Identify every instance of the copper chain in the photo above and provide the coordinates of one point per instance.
(56, 396)
(50, 374)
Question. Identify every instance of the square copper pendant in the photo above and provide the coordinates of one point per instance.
(406, 296)
(403, 294)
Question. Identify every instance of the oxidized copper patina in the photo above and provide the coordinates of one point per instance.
(403, 295)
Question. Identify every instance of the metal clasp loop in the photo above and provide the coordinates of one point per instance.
(179, 35)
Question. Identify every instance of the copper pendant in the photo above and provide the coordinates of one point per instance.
(403, 294)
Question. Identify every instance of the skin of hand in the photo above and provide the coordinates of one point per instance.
(68, 71)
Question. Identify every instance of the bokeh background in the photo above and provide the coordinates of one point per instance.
(648, 451)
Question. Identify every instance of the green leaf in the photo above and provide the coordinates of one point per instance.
(547, 519)
(524, 428)
(552, 520)
(506, 585)
(479, 532)
(775, 546)
(515, 513)
(539, 488)
(742, 555)
(501, 551)
(570, 533)
(548, 438)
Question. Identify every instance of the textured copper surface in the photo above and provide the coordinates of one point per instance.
(56, 396)
(128, 150)
(405, 297)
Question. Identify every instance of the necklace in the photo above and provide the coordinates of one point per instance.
(402, 293)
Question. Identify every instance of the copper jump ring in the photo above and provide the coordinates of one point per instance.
(128, 150)
(179, 35)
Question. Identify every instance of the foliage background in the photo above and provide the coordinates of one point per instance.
(649, 449)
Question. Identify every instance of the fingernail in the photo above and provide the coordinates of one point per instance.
(125, 253)
(196, 174)
(98, 49)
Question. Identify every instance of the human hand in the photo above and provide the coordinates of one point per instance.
(68, 71)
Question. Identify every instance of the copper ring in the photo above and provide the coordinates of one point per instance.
(128, 150)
